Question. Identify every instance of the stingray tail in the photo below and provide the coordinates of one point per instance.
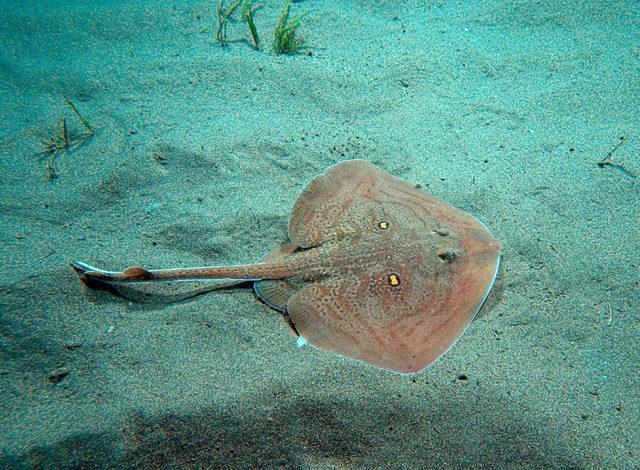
(249, 272)
(158, 286)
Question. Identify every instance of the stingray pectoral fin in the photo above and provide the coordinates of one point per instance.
(275, 292)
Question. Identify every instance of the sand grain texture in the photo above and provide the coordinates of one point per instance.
(503, 109)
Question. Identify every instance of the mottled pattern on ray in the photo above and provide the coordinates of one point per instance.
(376, 229)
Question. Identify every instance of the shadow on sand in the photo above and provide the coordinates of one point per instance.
(294, 432)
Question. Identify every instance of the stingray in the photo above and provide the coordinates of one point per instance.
(374, 269)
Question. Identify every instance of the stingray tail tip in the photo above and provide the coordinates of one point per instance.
(80, 268)
(90, 276)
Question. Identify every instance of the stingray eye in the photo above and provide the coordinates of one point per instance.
(448, 256)
(394, 280)
(383, 224)
(442, 231)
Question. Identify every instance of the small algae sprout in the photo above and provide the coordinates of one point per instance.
(223, 19)
(62, 141)
(286, 39)
(56, 142)
(608, 161)
(247, 15)
(52, 145)
(88, 130)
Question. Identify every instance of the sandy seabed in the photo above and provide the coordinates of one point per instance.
(524, 114)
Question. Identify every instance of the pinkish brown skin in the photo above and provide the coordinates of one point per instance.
(355, 231)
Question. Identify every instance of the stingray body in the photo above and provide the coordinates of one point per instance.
(375, 269)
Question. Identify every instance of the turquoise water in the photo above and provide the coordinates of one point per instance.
(132, 137)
